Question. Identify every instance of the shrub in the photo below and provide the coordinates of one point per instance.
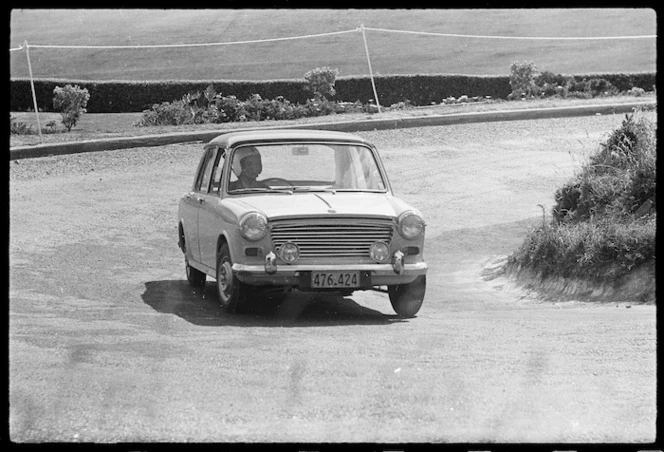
(210, 107)
(321, 81)
(229, 109)
(351, 107)
(165, 114)
(401, 105)
(319, 106)
(522, 79)
(618, 179)
(548, 77)
(51, 127)
(17, 127)
(601, 87)
(71, 102)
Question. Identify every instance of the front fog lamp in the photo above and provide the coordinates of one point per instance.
(411, 225)
(289, 252)
(379, 251)
(253, 226)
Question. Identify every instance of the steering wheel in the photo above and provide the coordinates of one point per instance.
(276, 180)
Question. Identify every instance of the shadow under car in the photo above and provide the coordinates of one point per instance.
(199, 306)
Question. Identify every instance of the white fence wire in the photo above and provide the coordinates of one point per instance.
(361, 29)
(355, 30)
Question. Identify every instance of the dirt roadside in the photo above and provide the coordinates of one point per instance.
(108, 343)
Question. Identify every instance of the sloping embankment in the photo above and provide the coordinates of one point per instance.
(639, 285)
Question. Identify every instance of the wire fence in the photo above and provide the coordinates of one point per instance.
(317, 35)
(360, 30)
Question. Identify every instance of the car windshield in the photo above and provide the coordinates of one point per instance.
(292, 168)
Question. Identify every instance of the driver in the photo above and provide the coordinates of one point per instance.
(247, 165)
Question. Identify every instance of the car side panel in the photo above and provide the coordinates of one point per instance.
(210, 227)
(214, 220)
(188, 212)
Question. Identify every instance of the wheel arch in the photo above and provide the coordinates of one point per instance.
(182, 241)
(221, 241)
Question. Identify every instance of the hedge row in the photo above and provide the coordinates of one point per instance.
(128, 96)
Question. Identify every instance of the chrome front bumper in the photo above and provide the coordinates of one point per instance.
(392, 273)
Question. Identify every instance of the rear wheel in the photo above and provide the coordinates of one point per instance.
(230, 290)
(407, 299)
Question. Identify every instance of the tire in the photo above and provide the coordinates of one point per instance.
(195, 277)
(231, 292)
(407, 299)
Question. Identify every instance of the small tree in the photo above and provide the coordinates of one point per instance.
(522, 79)
(71, 102)
(321, 81)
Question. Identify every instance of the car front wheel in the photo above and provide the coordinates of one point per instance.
(407, 299)
(230, 290)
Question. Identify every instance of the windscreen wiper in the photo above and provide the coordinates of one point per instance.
(260, 190)
(312, 189)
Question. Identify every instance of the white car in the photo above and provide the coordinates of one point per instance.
(300, 209)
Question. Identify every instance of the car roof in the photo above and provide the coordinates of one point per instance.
(231, 139)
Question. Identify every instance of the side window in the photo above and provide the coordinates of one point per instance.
(216, 178)
(199, 172)
(206, 173)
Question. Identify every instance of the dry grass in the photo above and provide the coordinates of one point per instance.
(391, 53)
(602, 226)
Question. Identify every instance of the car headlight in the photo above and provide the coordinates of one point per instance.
(410, 225)
(253, 226)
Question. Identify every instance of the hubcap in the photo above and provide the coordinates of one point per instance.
(225, 280)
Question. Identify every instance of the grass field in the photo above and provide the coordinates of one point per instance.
(391, 53)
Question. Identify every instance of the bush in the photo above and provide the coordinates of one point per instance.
(17, 127)
(618, 179)
(401, 106)
(165, 114)
(210, 107)
(522, 79)
(594, 87)
(636, 92)
(604, 219)
(321, 81)
(71, 102)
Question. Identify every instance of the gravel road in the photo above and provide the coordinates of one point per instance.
(108, 343)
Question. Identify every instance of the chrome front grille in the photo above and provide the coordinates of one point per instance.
(348, 238)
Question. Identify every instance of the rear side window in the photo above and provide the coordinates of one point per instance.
(205, 173)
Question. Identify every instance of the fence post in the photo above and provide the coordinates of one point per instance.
(34, 96)
(373, 83)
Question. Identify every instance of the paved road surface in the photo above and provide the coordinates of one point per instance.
(108, 343)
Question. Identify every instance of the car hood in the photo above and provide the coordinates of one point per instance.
(323, 203)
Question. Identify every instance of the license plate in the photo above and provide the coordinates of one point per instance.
(322, 280)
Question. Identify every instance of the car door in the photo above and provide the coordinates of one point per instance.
(192, 203)
(209, 212)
